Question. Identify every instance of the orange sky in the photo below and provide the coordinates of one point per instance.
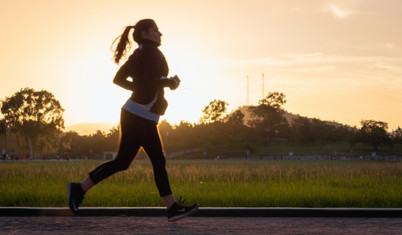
(335, 60)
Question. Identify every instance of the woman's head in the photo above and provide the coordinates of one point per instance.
(145, 29)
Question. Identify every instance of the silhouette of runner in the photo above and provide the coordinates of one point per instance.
(145, 74)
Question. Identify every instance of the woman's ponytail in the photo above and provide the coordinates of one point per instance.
(124, 45)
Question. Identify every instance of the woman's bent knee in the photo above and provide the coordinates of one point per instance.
(120, 165)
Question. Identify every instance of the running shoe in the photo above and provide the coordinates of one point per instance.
(178, 211)
(75, 195)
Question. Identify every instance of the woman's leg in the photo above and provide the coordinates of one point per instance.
(169, 200)
(132, 132)
(153, 147)
(87, 184)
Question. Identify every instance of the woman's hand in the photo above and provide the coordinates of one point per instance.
(175, 83)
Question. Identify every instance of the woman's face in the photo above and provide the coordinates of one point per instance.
(152, 34)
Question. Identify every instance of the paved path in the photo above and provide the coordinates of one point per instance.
(198, 225)
(208, 212)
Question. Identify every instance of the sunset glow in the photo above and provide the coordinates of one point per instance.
(335, 60)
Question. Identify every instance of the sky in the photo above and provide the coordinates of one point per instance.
(336, 60)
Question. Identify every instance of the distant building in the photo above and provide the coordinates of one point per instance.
(109, 155)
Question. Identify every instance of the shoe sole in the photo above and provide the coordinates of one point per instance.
(71, 205)
(176, 218)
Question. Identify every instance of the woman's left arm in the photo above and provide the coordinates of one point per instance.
(153, 60)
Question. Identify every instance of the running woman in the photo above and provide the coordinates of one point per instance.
(145, 74)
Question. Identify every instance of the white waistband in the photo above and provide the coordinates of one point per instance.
(139, 110)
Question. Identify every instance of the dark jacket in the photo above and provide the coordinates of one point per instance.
(146, 66)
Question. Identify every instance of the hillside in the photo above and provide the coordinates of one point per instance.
(289, 117)
(91, 128)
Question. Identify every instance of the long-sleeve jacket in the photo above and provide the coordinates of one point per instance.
(148, 69)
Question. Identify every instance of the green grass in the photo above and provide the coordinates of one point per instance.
(212, 183)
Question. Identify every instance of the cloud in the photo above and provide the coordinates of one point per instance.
(320, 62)
(306, 69)
(338, 12)
(238, 62)
(386, 67)
(389, 45)
(321, 58)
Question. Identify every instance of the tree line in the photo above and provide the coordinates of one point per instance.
(33, 123)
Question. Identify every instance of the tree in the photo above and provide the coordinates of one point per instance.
(236, 119)
(235, 131)
(75, 144)
(269, 118)
(112, 139)
(274, 99)
(3, 127)
(33, 114)
(214, 111)
(98, 142)
(396, 136)
(374, 133)
(303, 130)
(164, 129)
(182, 137)
(3, 131)
(51, 143)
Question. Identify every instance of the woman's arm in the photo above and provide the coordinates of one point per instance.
(154, 62)
(172, 82)
(121, 77)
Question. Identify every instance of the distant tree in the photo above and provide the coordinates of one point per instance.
(51, 143)
(235, 119)
(165, 129)
(2, 126)
(268, 115)
(182, 137)
(3, 130)
(303, 130)
(374, 133)
(274, 99)
(75, 144)
(396, 136)
(214, 111)
(236, 133)
(33, 113)
(310, 130)
(98, 142)
(112, 139)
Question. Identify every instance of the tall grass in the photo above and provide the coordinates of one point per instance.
(212, 183)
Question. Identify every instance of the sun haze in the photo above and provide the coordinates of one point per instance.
(335, 60)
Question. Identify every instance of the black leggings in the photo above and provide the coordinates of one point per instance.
(136, 132)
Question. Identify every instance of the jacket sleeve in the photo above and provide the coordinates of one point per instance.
(152, 62)
(122, 75)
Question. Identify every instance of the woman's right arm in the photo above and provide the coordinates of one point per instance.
(121, 77)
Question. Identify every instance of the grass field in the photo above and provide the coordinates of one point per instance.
(212, 183)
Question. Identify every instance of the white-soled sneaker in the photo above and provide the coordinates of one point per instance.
(178, 211)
